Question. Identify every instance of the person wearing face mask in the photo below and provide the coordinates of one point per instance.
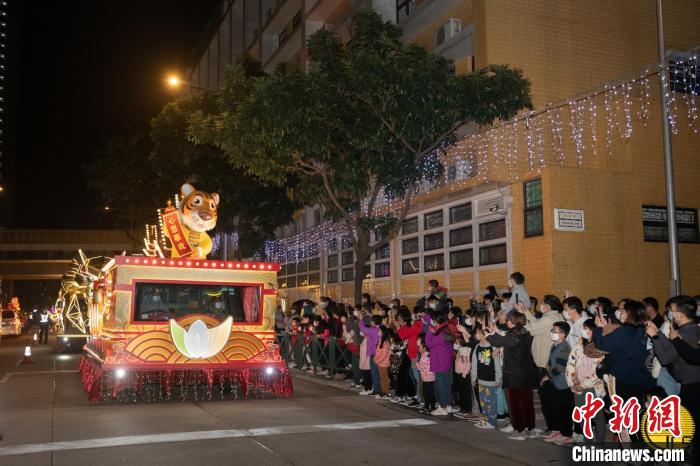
(683, 309)
(582, 378)
(519, 294)
(559, 399)
(518, 374)
(652, 308)
(573, 314)
(627, 348)
(663, 377)
(541, 342)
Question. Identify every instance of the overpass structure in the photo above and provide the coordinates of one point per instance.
(46, 254)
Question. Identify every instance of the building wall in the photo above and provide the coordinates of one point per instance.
(564, 48)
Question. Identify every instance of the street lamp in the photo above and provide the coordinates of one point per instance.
(176, 82)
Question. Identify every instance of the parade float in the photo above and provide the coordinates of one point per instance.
(173, 325)
(70, 315)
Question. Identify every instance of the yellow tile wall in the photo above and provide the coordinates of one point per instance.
(495, 276)
(461, 281)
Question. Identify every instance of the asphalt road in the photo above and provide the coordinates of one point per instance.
(46, 420)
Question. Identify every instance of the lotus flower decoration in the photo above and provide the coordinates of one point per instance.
(199, 341)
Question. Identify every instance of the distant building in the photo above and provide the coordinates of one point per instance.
(595, 228)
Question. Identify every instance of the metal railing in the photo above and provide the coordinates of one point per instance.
(329, 356)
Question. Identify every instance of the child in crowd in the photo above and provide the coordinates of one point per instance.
(296, 342)
(372, 333)
(461, 373)
(557, 392)
(382, 359)
(582, 378)
(486, 373)
(439, 341)
(427, 376)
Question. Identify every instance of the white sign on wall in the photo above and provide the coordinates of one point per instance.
(568, 220)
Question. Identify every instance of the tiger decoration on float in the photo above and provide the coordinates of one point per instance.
(186, 225)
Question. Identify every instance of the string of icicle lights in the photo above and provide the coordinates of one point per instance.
(565, 132)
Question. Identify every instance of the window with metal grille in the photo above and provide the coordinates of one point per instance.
(348, 275)
(461, 236)
(409, 246)
(532, 195)
(383, 252)
(333, 261)
(655, 221)
(492, 230)
(493, 254)
(462, 258)
(461, 213)
(409, 226)
(432, 220)
(409, 266)
(315, 263)
(347, 258)
(382, 269)
(332, 276)
(434, 262)
(433, 241)
(683, 76)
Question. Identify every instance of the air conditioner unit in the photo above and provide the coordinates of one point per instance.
(451, 28)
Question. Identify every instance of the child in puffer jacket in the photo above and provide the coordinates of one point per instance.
(427, 376)
(462, 378)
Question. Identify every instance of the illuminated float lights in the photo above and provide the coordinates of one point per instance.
(198, 263)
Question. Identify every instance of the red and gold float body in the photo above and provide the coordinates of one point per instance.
(127, 348)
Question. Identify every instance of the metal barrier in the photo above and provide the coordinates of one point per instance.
(319, 355)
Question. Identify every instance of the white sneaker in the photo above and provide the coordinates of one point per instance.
(519, 436)
(366, 392)
(534, 433)
(452, 409)
(577, 438)
(440, 412)
(484, 425)
(507, 429)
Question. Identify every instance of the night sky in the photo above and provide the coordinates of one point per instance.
(89, 72)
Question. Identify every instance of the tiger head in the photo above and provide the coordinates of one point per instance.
(198, 209)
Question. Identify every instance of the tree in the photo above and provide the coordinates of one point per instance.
(122, 176)
(365, 121)
(177, 159)
(135, 176)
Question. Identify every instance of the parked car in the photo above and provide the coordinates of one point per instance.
(11, 323)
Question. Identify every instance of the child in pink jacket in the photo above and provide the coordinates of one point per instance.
(427, 376)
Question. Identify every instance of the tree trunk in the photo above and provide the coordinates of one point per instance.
(358, 279)
(362, 253)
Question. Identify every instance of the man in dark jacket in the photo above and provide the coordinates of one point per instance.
(683, 311)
